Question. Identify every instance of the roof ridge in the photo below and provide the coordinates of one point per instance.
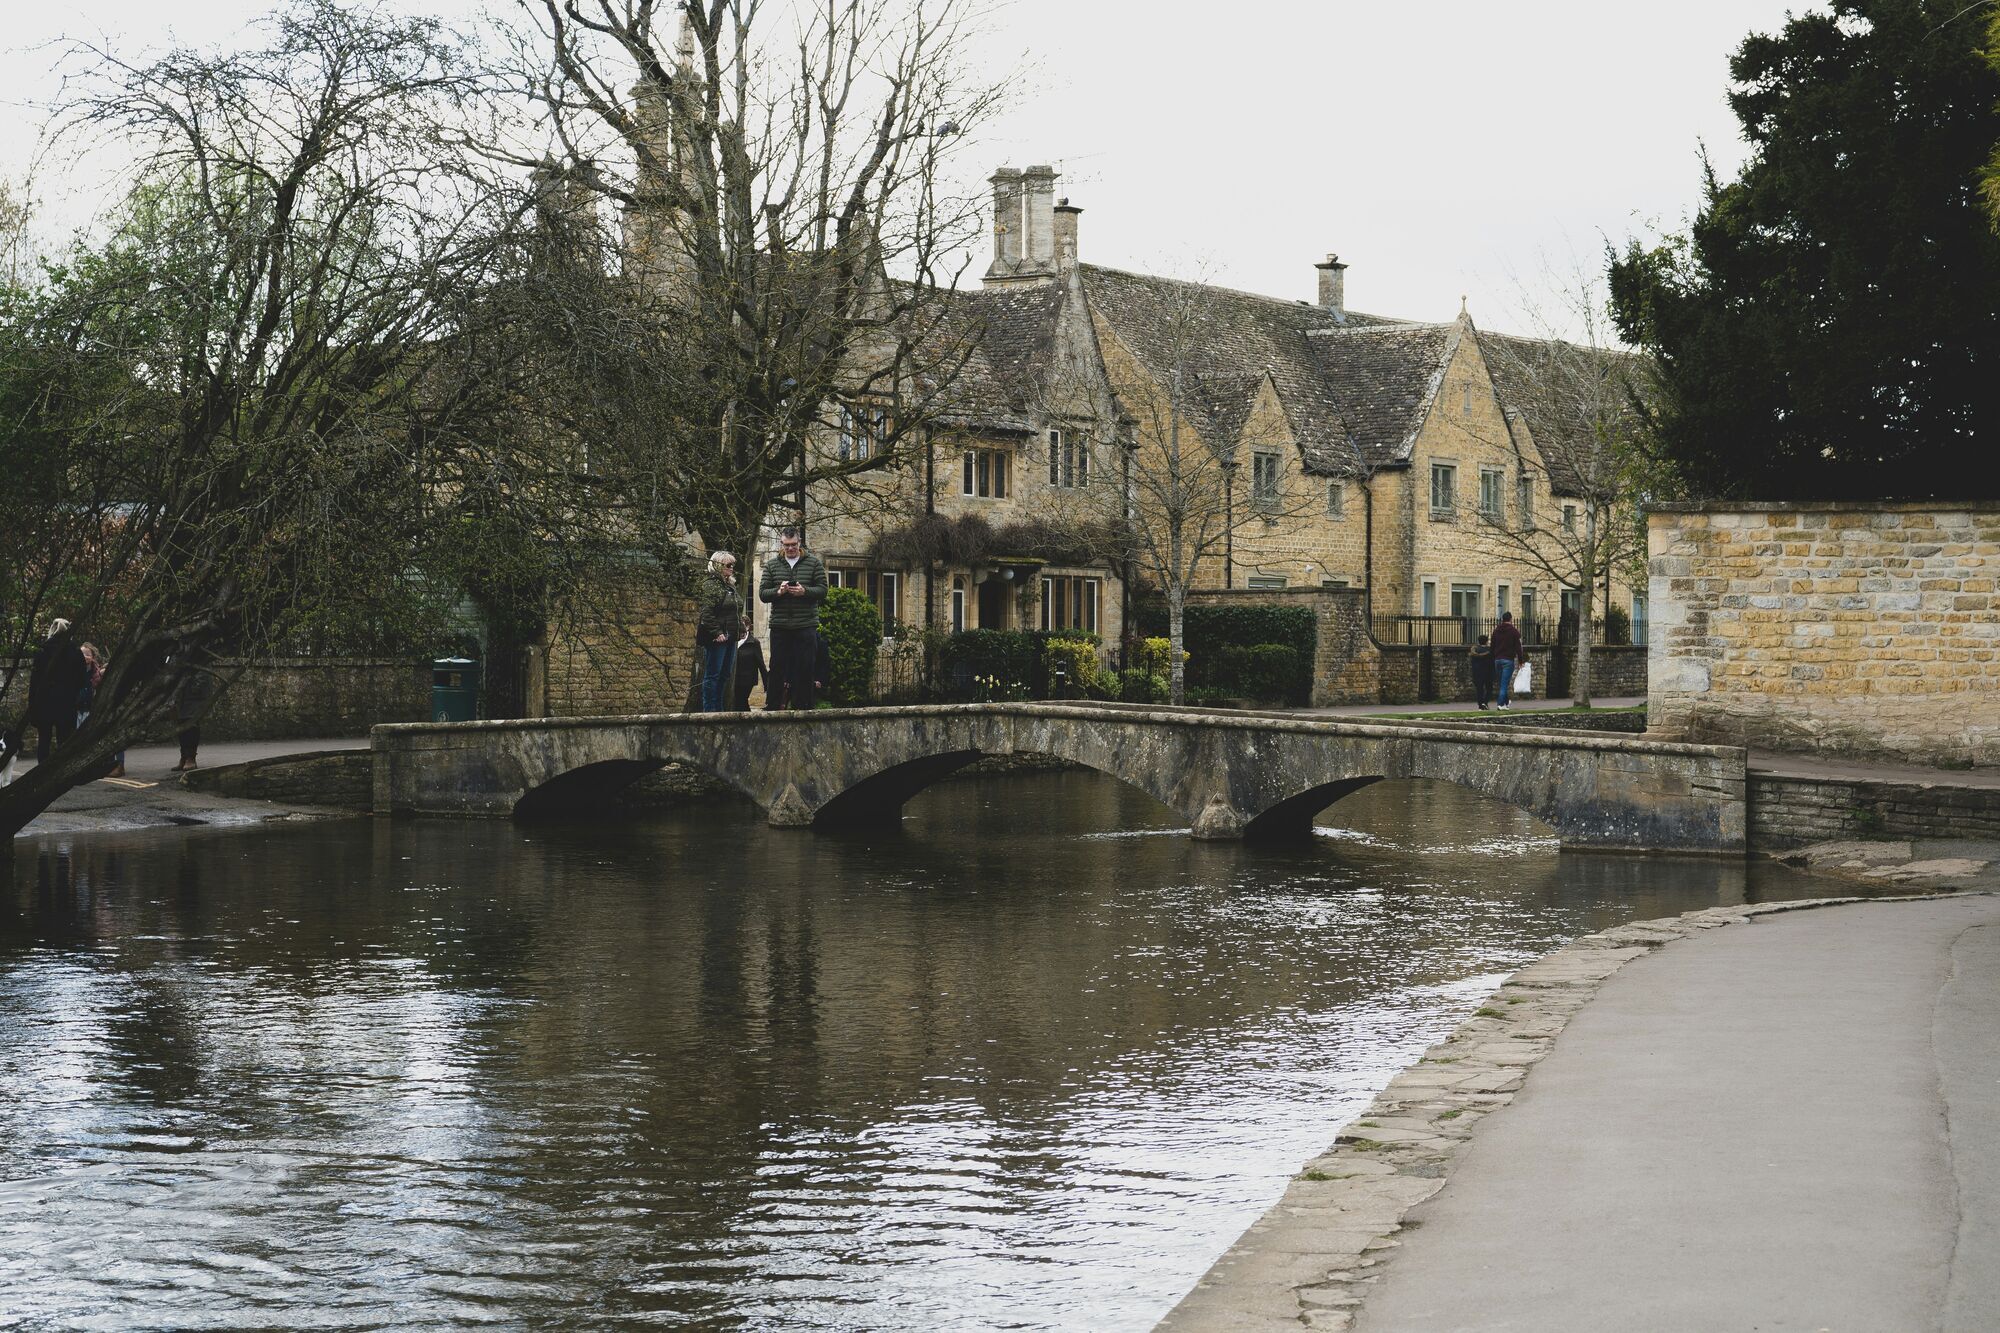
(1388, 325)
(1283, 302)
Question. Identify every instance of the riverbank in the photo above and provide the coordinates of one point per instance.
(152, 795)
(1740, 1131)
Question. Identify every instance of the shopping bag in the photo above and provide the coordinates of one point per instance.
(1524, 680)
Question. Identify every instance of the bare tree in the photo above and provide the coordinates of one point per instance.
(787, 240)
(250, 419)
(1577, 391)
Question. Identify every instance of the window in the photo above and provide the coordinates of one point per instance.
(1639, 619)
(1070, 602)
(958, 604)
(1444, 488)
(986, 473)
(1492, 485)
(1528, 610)
(1265, 581)
(863, 433)
(1524, 501)
(1264, 479)
(885, 589)
(1430, 597)
(843, 578)
(1465, 601)
(1069, 459)
(1569, 518)
(1465, 401)
(1336, 498)
(1500, 600)
(1333, 583)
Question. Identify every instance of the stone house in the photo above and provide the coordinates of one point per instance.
(1359, 450)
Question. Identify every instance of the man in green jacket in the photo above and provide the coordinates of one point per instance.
(794, 584)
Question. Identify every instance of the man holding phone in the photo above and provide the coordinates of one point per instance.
(793, 586)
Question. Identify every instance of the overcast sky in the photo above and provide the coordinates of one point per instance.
(1443, 149)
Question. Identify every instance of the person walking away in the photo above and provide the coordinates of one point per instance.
(750, 672)
(190, 702)
(793, 586)
(56, 680)
(1482, 672)
(719, 626)
(1507, 654)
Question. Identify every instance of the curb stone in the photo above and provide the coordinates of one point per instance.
(1310, 1260)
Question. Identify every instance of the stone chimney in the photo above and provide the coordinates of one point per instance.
(1024, 247)
(1332, 283)
(1066, 215)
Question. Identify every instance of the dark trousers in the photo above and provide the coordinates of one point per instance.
(1482, 686)
(792, 654)
(190, 742)
(51, 734)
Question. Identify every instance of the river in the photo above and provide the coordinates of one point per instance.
(1033, 1061)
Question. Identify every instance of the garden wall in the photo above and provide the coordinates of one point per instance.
(1867, 630)
(293, 697)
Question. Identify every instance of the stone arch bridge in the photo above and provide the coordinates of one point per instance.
(1229, 775)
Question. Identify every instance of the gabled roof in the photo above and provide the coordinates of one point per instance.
(1385, 377)
(1238, 338)
(1527, 374)
(1006, 335)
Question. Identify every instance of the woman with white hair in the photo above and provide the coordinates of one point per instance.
(719, 626)
(55, 680)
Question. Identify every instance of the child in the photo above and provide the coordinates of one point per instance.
(1482, 672)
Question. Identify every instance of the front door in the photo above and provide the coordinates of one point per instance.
(993, 601)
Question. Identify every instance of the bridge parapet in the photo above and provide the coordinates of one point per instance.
(1228, 775)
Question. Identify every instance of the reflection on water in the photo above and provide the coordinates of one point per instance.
(1032, 1061)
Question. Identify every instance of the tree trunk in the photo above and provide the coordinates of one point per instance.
(1586, 613)
(1176, 667)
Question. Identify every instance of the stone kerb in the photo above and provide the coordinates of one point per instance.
(1228, 775)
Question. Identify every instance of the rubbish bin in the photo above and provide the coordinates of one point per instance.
(454, 689)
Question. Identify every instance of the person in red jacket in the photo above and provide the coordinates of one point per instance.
(1507, 655)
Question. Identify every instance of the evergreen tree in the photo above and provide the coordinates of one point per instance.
(1831, 325)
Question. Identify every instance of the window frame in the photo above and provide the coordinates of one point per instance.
(1266, 478)
(1493, 487)
(1447, 473)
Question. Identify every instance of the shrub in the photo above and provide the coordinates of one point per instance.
(1142, 687)
(853, 630)
(1150, 655)
(1617, 627)
(1072, 667)
(1266, 672)
(1007, 655)
(1210, 629)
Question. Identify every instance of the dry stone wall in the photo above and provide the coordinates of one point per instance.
(1857, 630)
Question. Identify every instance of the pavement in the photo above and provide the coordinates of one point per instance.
(1785, 1124)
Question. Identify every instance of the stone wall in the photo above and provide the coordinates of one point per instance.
(292, 697)
(1443, 674)
(630, 651)
(341, 779)
(1864, 630)
(1347, 664)
(1787, 811)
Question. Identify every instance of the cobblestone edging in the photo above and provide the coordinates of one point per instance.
(1310, 1261)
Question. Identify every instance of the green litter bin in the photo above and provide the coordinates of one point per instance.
(454, 689)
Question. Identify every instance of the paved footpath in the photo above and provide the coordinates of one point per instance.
(1792, 1123)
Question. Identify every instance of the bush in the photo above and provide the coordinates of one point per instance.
(1072, 667)
(1005, 655)
(1142, 687)
(853, 630)
(1210, 629)
(1617, 626)
(1266, 672)
(1150, 655)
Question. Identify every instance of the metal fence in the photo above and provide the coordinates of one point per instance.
(1457, 631)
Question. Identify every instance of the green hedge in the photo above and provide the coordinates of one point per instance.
(1212, 630)
(1265, 672)
(853, 630)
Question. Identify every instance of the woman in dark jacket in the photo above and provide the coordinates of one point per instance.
(719, 626)
(55, 682)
